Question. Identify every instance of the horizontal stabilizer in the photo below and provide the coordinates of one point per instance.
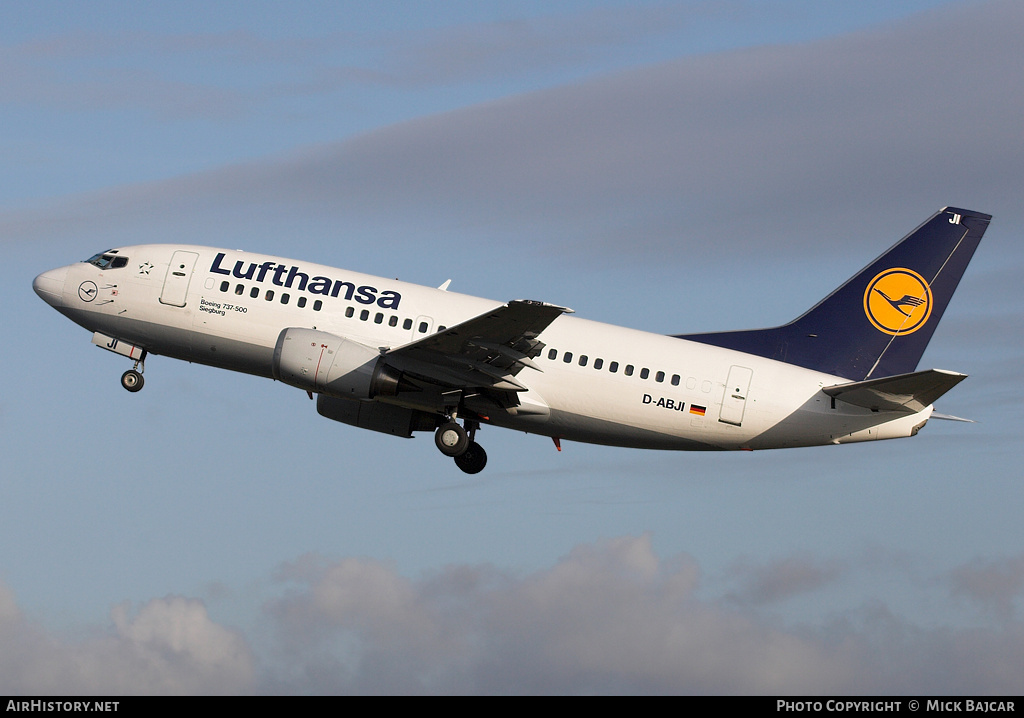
(908, 393)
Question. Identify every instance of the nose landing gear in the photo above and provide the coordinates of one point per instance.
(458, 442)
(132, 379)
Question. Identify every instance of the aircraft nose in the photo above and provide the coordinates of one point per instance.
(50, 286)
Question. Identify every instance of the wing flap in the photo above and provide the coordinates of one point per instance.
(908, 393)
(486, 351)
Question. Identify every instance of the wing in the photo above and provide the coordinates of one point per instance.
(908, 393)
(486, 352)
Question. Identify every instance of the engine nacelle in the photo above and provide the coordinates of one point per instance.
(328, 364)
(373, 415)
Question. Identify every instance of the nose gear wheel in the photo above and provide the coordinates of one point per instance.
(132, 380)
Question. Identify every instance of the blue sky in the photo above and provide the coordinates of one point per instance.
(677, 167)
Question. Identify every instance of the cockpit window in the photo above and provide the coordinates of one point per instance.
(108, 260)
(101, 260)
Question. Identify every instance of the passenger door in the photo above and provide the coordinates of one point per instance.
(734, 399)
(179, 274)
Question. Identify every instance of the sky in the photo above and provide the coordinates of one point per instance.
(672, 166)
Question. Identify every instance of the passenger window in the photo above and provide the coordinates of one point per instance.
(644, 373)
(629, 370)
(269, 296)
(225, 286)
(441, 328)
(598, 363)
(378, 318)
(552, 354)
(613, 367)
(239, 288)
(567, 357)
(407, 324)
(317, 305)
(393, 321)
(302, 302)
(659, 377)
(675, 380)
(349, 312)
(364, 315)
(423, 327)
(583, 360)
(254, 292)
(285, 298)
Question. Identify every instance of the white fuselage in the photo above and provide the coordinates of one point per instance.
(593, 382)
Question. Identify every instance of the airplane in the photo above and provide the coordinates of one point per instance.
(401, 358)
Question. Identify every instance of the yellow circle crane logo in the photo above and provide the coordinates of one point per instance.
(898, 301)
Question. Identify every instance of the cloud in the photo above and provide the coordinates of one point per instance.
(103, 72)
(608, 617)
(515, 46)
(783, 578)
(170, 646)
(751, 148)
(157, 72)
(993, 585)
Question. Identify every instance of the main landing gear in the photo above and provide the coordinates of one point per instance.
(132, 379)
(457, 442)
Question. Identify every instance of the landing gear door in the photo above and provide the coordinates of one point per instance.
(734, 400)
(179, 274)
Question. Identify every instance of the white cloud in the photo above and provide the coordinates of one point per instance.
(170, 646)
(609, 617)
(606, 618)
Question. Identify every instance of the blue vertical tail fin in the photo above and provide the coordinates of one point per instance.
(879, 322)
